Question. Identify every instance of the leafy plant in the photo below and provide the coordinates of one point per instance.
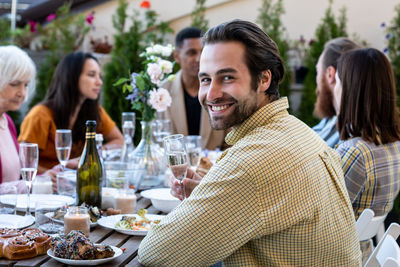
(64, 34)
(329, 28)
(125, 57)
(198, 16)
(393, 48)
(270, 20)
(5, 31)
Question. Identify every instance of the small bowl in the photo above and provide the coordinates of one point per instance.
(161, 199)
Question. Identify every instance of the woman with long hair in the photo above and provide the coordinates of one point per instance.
(368, 122)
(72, 99)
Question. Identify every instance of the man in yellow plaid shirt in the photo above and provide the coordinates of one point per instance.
(276, 197)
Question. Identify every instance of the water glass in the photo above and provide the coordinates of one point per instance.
(63, 143)
(10, 206)
(193, 145)
(44, 212)
(162, 128)
(66, 183)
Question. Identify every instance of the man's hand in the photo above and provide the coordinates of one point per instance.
(190, 182)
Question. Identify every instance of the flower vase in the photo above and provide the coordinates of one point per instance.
(148, 158)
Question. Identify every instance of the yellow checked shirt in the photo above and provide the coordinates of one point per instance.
(275, 198)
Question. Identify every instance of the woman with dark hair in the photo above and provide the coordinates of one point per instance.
(72, 98)
(368, 122)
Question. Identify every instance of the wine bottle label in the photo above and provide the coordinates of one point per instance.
(90, 135)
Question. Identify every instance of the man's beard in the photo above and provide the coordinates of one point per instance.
(324, 106)
(242, 111)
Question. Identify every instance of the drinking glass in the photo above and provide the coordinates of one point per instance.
(128, 130)
(29, 157)
(66, 183)
(193, 144)
(11, 203)
(162, 129)
(44, 213)
(63, 144)
(177, 157)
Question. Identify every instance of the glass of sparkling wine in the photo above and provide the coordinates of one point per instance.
(177, 157)
(29, 157)
(63, 144)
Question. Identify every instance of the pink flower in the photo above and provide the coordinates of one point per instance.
(145, 4)
(160, 99)
(89, 18)
(155, 72)
(51, 17)
(32, 26)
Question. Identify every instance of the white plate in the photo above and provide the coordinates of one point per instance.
(110, 221)
(161, 199)
(118, 252)
(22, 200)
(51, 214)
(15, 221)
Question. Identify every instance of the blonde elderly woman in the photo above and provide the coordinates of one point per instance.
(17, 70)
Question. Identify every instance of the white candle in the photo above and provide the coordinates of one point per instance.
(77, 220)
(126, 203)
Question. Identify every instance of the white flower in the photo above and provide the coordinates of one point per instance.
(155, 72)
(167, 50)
(158, 49)
(159, 99)
(149, 50)
(166, 66)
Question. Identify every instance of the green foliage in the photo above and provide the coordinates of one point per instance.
(125, 56)
(329, 28)
(5, 31)
(62, 36)
(198, 16)
(270, 20)
(393, 43)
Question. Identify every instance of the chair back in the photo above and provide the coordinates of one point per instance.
(369, 226)
(387, 252)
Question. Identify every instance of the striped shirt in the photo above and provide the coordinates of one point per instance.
(275, 198)
(372, 176)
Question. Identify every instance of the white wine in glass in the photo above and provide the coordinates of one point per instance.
(63, 143)
(177, 157)
(29, 157)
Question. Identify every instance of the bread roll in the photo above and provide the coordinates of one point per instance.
(19, 247)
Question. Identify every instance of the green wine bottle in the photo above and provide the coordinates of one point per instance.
(90, 171)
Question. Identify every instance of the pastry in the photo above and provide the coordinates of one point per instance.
(23, 244)
(204, 166)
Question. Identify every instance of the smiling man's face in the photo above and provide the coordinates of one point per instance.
(225, 85)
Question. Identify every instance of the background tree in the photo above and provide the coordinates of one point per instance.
(329, 28)
(198, 16)
(270, 20)
(125, 56)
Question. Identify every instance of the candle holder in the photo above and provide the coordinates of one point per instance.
(77, 218)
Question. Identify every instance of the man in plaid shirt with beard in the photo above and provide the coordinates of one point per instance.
(276, 197)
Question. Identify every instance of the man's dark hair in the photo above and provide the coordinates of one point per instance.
(261, 51)
(334, 48)
(368, 103)
(187, 33)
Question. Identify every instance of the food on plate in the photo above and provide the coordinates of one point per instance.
(111, 211)
(94, 213)
(138, 224)
(204, 166)
(23, 244)
(76, 246)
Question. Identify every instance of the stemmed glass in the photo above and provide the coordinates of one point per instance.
(63, 144)
(29, 157)
(177, 157)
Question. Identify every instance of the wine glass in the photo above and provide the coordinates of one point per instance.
(177, 157)
(193, 144)
(63, 144)
(128, 130)
(29, 157)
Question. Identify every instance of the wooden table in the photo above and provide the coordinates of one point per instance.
(99, 234)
